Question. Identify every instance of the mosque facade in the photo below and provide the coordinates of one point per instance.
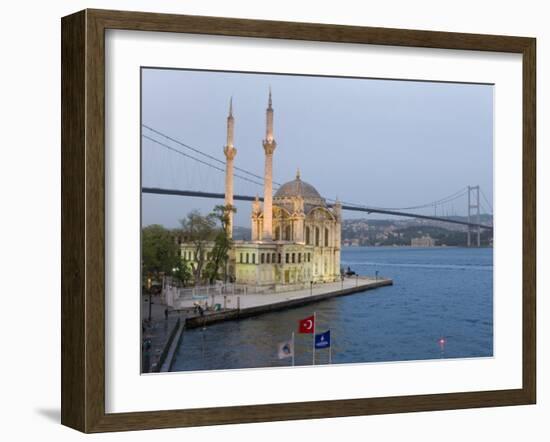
(296, 235)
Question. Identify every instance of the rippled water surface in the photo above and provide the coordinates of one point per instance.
(437, 293)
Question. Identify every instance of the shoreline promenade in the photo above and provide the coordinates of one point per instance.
(233, 306)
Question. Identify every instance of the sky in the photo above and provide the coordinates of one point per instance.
(383, 143)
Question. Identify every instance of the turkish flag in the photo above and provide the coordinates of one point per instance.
(307, 325)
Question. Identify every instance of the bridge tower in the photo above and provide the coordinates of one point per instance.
(269, 147)
(230, 152)
(473, 209)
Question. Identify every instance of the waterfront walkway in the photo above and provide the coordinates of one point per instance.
(156, 333)
(233, 307)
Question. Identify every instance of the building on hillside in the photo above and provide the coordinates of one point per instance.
(424, 241)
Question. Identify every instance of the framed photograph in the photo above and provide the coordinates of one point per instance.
(269, 220)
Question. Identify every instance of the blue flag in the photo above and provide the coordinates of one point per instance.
(322, 340)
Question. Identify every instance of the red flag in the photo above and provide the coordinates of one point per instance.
(307, 325)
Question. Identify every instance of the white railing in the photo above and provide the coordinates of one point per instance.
(175, 296)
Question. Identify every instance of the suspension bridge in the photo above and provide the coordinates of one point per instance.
(195, 158)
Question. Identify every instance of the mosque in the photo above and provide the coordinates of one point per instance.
(296, 236)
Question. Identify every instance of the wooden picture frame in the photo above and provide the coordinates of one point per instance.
(83, 220)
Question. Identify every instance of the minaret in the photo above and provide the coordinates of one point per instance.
(230, 152)
(269, 148)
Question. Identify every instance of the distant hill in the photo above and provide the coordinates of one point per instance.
(242, 233)
(400, 232)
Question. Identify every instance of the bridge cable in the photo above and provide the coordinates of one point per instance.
(197, 159)
(486, 200)
(200, 152)
(460, 193)
(443, 200)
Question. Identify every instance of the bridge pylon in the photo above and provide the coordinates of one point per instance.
(473, 209)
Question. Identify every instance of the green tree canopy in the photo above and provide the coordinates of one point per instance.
(198, 230)
(159, 251)
(222, 243)
(210, 240)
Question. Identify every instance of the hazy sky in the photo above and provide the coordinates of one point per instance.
(384, 143)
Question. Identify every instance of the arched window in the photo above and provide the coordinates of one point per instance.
(326, 237)
(277, 233)
(307, 235)
(288, 234)
(317, 236)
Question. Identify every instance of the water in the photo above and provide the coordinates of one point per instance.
(438, 293)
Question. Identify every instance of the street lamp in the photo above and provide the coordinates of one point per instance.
(225, 273)
(150, 295)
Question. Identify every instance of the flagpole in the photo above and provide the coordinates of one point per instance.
(314, 325)
(293, 349)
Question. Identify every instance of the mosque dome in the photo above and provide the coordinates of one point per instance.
(300, 189)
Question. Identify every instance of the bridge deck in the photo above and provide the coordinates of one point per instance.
(199, 194)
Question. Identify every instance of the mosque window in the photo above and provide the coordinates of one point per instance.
(268, 258)
(279, 260)
(247, 258)
(273, 256)
(288, 235)
(326, 237)
(253, 258)
(262, 258)
(241, 257)
(307, 236)
(286, 258)
(317, 236)
(293, 258)
(299, 258)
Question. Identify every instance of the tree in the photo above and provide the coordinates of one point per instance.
(199, 230)
(159, 251)
(222, 243)
(183, 272)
